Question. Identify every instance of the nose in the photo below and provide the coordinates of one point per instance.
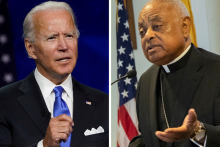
(150, 35)
(62, 44)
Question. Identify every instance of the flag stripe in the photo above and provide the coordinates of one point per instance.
(123, 140)
(127, 123)
(127, 119)
(117, 145)
(131, 109)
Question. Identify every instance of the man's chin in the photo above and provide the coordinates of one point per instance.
(153, 59)
(157, 62)
(59, 77)
(64, 70)
(64, 74)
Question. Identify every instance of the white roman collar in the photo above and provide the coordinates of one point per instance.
(166, 68)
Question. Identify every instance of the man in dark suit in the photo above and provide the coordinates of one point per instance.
(49, 107)
(178, 101)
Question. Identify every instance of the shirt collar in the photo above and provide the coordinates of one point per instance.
(46, 86)
(177, 63)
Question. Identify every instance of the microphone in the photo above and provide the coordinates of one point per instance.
(46, 113)
(129, 74)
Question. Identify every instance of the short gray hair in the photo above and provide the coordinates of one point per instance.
(28, 25)
(178, 4)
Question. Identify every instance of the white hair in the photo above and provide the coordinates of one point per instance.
(28, 25)
(178, 4)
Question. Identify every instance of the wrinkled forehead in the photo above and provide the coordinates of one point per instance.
(46, 18)
(53, 14)
(155, 12)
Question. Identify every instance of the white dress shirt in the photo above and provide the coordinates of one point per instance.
(46, 87)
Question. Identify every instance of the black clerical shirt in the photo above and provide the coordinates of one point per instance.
(170, 86)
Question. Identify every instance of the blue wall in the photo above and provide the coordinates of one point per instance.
(92, 17)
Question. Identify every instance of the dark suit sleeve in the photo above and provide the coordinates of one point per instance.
(137, 141)
(33, 145)
(213, 131)
(5, 134)
(213, 135)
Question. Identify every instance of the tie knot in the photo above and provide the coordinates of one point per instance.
(58, 91)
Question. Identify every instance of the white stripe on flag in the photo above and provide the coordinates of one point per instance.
(122, 138)
(131, 108)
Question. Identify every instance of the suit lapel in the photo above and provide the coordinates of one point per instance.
(81, 113)
(188, 86)
(33, 103)
(153, 104)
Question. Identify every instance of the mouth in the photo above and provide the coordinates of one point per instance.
(64, 59)
(152, 47)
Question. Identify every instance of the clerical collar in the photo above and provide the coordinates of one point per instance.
(177, 63)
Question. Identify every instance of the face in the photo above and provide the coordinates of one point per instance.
(55, 47)
(160, 28)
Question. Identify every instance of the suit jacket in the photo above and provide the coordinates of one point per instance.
(23, 121)
(199, 89)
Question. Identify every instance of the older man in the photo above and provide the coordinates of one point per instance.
(49, 107)
(178, 98)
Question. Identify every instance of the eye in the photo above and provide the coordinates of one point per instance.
(156, 27)
(51, 38)
(69, 36)
(142, 33)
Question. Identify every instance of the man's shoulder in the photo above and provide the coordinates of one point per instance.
(98, 94)
(211, 62)
(9, 89)
(9, 93)
(92, 93)
(209, 55)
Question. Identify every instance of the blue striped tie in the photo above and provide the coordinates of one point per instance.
(60, 107)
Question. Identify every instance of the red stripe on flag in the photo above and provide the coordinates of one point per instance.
(127, 123)
(118, 117)
(117, 145)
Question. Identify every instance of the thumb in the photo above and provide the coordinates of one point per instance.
(192, 115)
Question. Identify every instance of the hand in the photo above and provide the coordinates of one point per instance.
(187, 130)
(58, 130)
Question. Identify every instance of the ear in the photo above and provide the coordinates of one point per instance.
(186, 25)
(30, 48)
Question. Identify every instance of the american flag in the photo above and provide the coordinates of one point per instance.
(7, 60)
(127, 118)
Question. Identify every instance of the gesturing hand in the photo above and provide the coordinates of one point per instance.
(189, 127)
(58, 130)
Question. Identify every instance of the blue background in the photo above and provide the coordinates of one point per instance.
(92, 17)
